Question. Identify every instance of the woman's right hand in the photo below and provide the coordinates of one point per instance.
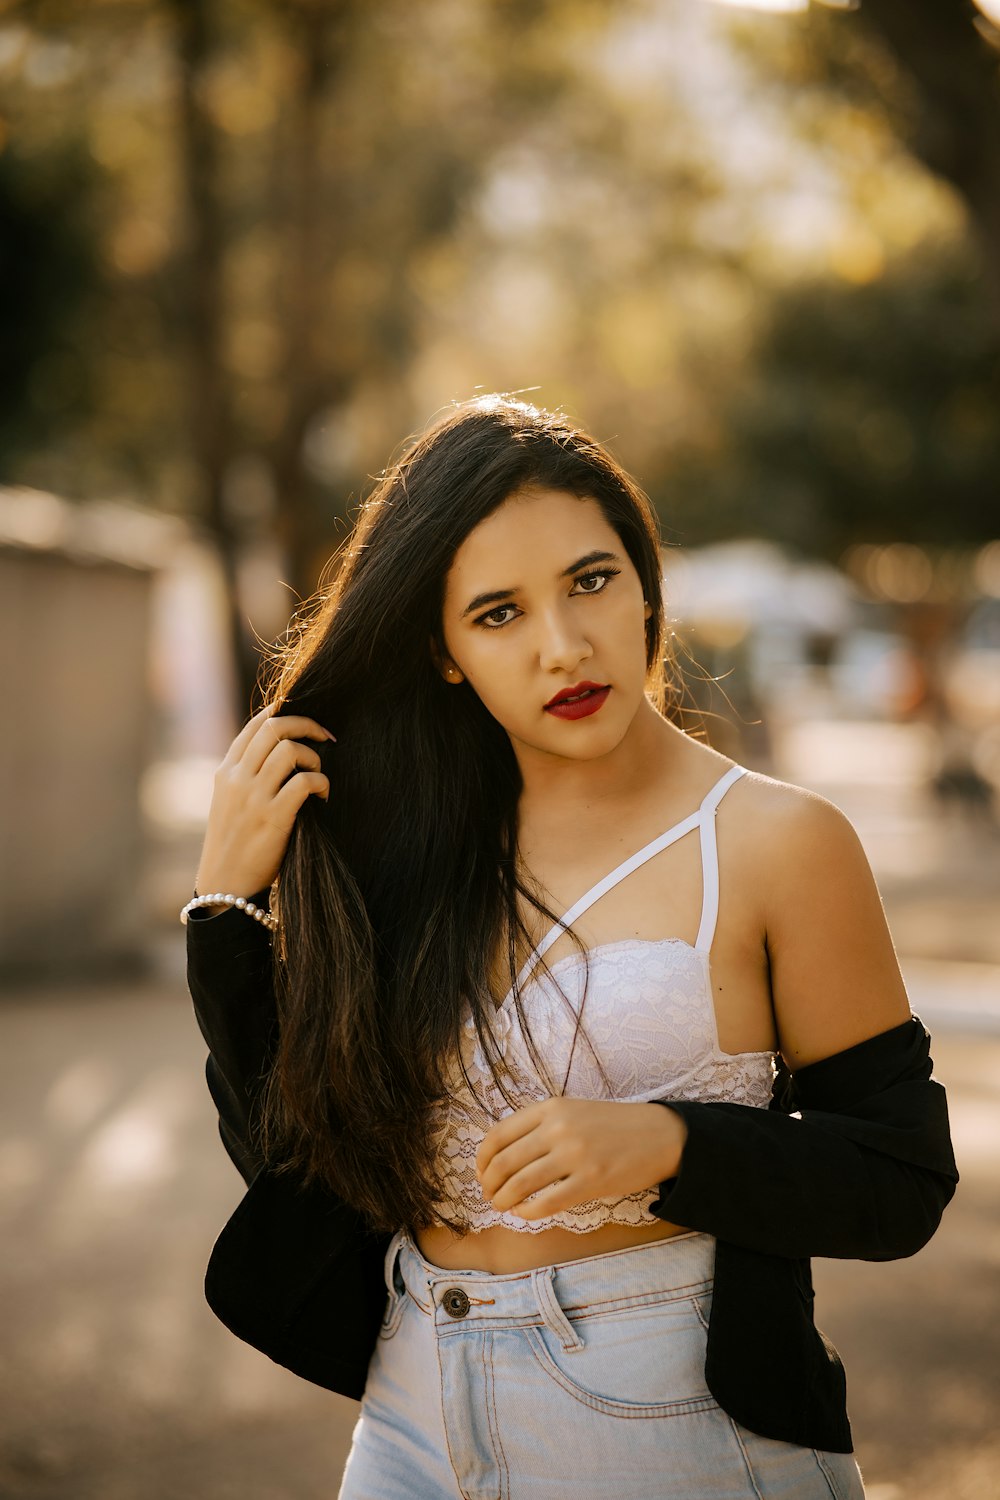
(259, 788)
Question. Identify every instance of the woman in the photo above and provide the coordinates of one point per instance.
(581, 1038)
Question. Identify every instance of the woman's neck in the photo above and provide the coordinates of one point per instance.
(556, 792)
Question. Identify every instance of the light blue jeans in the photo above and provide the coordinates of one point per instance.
(579, 1381)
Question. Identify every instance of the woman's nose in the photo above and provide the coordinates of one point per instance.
(562, 647)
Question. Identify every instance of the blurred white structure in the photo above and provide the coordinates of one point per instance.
(756, 583)
(781, 618)
(110, 658)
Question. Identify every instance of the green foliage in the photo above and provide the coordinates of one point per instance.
(869, 413)
(378, 207)
(48, 275)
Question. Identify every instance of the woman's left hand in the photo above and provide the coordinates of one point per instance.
(569, 1151)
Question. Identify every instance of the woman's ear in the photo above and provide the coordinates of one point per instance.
(647, 612)
(444, 664)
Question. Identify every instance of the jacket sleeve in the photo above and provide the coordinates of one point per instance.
(853, 1159)
(229, 970)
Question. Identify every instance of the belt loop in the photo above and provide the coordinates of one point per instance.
(391, 1256)
(548, 1305)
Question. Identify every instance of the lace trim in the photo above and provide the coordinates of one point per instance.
(663, 1044)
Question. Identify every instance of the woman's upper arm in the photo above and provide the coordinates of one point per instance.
(835, 980)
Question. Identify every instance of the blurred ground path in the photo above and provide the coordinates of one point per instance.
(920, 1338)
(116, 1383)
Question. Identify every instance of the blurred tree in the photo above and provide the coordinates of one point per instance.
(314, 151)
(870, 408)
(309, 222)
(319, 38)
(868, 413)
(927, 72)
(91, 95)
(950, 53)
(204, 287)
(45, 278)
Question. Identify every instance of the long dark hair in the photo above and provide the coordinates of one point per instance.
(397, 895)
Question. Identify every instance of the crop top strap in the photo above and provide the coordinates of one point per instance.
(705, 817)
(710, 858)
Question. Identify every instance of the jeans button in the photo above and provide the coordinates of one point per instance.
(455, 1302)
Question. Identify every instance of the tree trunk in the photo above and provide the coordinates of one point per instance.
(316, 31)
(210, 415)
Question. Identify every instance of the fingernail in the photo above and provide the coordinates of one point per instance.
(330, 736)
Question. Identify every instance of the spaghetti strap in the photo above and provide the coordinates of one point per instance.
(710, 859)
(705, 817)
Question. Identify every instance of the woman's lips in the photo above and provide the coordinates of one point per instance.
(579, 708)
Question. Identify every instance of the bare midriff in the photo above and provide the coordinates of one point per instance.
(500, 1250)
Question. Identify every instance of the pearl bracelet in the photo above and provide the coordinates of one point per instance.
(259, 914)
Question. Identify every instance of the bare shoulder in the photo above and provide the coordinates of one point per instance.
(793, 820)
(777, 828)
(834, 975)
(806, 852)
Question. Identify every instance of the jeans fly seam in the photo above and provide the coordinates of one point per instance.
(444, 1425)
(497, 1439)
(490, 1409)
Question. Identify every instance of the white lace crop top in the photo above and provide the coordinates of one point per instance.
(649, 1018)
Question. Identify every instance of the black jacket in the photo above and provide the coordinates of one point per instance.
(853, 1159)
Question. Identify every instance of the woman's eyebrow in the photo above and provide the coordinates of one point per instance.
(498, 596)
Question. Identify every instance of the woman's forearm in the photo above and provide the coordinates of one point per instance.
(229, 968)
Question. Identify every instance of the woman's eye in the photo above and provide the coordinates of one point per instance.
(600, 579)
(490, 620)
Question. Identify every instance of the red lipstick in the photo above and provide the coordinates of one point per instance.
(579, 701)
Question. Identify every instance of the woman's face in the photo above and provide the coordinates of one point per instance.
(542, 599)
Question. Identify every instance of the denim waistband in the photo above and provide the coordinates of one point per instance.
(458, 1301)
